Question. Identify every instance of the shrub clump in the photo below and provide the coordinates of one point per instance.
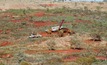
(25, 63)
(86, 60)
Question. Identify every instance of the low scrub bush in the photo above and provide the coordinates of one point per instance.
(2, 64)
(86, 60)
(25, 63)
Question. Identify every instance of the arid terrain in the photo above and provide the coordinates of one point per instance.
(44, 4)
(82, 41)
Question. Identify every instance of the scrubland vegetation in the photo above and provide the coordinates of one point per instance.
(16, 48)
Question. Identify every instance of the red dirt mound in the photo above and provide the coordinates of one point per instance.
(5, 43)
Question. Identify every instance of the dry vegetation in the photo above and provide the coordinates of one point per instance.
(86, 47)
(48, 4)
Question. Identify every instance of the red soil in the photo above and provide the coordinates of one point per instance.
(75, 15)
(8, 31)
(44, 34)
(72, 58)
(46, 23)
(91, 41)
(64, 51)
(6, 56)
(82, 21)
(101, 58)
(30, 51)
(40, 14)
(7, 14)
(53, 34)
(53, 51)
(15, 21)
(43, 23)
(0, 31)
(88, 41)
(48, 5)
(26, 19)
(6, 43)
(69, 59)
(20, 20)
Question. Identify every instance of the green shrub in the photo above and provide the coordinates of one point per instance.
(76, 43)
(25, 63)
(100, 63)
(51, 45)
(2, 64)
(86, 60)
(54, 61)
